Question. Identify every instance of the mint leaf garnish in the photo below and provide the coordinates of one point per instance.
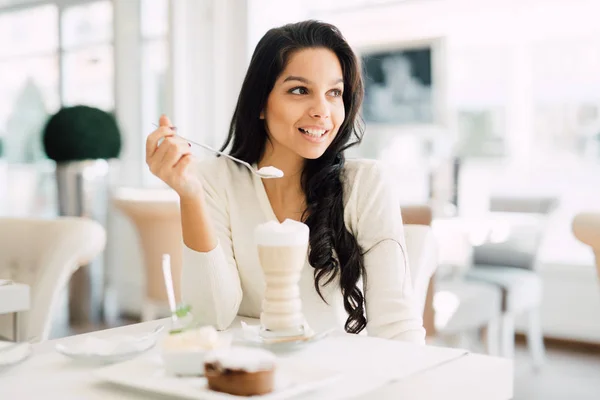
(183, 310)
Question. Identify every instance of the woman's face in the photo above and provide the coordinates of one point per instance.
(305, 108)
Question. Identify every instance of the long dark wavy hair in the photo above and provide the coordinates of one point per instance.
(334, 251)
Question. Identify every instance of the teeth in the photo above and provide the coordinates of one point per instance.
(314, 132)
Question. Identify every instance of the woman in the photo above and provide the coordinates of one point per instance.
(297, 111)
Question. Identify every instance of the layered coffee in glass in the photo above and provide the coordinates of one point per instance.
(282, 251)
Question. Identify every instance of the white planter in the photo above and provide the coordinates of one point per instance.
(83, 189)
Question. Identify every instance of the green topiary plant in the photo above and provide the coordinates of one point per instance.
(1, 148)
(81, 133)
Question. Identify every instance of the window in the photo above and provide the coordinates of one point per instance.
(87, 55)
(29, 31)
(28, 80)
(88, 77)
(50, 56)
(155, 67)
(87, 24)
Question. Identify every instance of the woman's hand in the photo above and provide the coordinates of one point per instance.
(169, 158)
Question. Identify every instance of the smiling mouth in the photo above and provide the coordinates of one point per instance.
(315, 133)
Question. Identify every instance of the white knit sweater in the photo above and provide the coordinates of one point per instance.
(228, 280)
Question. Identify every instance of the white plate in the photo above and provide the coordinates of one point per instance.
(17, 354)
(147, 374)
(94, 350)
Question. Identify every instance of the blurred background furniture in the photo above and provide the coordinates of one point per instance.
(467, 312)
(421, 215)
(44, 254)
(14, 299)
(505, 256)
(422, 259)
(456, 308)
(156, 217)
(586, 227)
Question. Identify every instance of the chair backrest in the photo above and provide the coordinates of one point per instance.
(422, 259)
(528, 205)
(156, 217)
(423, 215)
(586, 227)
(416, 215)
(44, 253)
(524, 220)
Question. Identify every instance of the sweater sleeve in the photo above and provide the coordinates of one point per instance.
(390, 307)
(210, 280)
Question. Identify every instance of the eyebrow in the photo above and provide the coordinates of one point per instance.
(304, 80)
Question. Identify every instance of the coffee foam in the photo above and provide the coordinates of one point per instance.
(288, 233)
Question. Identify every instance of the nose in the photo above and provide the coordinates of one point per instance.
(319, 108)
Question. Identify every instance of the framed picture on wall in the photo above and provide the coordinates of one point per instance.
(404, 83)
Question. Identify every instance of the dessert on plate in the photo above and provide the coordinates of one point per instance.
(240, 371)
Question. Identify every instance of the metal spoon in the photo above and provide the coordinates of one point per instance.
(166, 268)
(264, 172)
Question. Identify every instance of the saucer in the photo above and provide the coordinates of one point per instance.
(299, 332)
(95, 350)
(12, 354)
(254, 335)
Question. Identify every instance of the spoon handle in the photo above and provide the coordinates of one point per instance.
(216, 151)
(166, 267)
(219, 152)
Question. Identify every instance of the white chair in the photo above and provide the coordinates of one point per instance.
(420, 214)
(508, 260)
(521, 294)
(454, 308)
(463, 308)
(156, 217)
(422, 260)
(44, 254)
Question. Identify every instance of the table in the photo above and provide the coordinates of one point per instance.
(14, 298)
(432, 373)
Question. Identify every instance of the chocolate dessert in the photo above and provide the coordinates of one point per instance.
(240, 371)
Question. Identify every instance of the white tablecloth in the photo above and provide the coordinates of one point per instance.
(372, 368)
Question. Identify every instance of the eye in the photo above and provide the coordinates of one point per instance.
(336, 92)
(299, 90)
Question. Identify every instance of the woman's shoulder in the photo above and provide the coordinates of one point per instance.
(364, 178)
(213, 164)
(360, 172)
(219, 172)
